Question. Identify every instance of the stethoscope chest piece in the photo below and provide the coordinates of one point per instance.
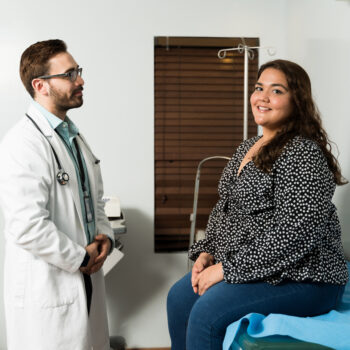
(62, 177)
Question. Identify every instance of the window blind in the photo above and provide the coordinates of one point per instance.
(198, 113)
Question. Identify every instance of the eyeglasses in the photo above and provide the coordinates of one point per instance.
(72, 75)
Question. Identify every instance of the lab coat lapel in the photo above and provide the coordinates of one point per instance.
(63, 156)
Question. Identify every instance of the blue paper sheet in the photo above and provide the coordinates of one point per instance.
(331, 329)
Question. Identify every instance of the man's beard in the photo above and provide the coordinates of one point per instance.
(66, 101)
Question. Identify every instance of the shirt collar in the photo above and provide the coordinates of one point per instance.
(51, 118)
(54, 121)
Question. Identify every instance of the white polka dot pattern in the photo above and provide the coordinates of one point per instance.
(277, 226)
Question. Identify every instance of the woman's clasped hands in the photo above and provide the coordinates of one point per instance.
(205, 273)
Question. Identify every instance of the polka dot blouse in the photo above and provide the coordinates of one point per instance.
(276, 226)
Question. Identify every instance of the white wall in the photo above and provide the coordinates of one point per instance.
(318, 35)
(113, 41)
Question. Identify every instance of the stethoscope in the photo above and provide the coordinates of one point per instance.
(62, 177)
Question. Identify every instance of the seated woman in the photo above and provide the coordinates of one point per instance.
(273, 240)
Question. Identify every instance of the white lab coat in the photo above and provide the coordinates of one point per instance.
(45, 300)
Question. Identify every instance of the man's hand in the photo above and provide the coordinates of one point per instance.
(203, 261)
(98, 251)
(93, 251)
(104, 246)
(208, 277)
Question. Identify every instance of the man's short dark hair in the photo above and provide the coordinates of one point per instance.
(34, 60)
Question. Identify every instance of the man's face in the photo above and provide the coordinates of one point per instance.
(63, 93)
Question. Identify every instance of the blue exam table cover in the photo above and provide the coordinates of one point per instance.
(331, 329)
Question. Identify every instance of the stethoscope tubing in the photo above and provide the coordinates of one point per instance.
(62, 176)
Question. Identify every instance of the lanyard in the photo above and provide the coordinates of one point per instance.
(87, 202)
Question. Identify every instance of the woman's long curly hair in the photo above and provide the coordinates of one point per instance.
(304, 120)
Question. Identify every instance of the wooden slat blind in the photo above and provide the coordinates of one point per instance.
(198, 113)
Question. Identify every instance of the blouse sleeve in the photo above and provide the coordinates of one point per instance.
(208, 244)
(303, 188)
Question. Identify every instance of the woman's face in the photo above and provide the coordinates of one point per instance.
(271, 100)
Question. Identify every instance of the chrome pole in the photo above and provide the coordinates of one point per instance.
(193, 216)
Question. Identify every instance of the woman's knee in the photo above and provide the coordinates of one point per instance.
(202, 329)
(181, 296)
(206, 311)
(175, 292)
(172, 298)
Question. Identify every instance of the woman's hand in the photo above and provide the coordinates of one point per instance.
(208, 277)
(203, 261)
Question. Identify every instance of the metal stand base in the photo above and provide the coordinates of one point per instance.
(117, 343)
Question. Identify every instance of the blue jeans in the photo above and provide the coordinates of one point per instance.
(199, 322)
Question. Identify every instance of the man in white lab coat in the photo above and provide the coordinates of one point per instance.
(57, 234)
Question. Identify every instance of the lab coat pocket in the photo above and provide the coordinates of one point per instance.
(52, 287)
(19, 280)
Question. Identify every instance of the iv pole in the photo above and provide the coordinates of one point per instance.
(248, 54)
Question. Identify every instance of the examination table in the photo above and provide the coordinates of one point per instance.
(282, 332)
